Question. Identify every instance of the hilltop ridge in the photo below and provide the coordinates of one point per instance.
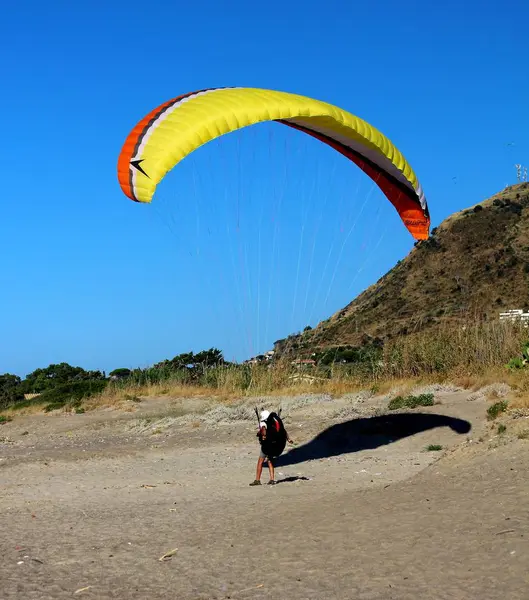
(474, 265)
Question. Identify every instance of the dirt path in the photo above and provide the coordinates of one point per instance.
(363, 511)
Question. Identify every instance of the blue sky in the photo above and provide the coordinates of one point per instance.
(95, 280)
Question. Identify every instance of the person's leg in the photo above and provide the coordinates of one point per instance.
(260, 463)
(259, 470)
(271, 469)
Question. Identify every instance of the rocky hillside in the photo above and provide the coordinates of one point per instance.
(474, 265)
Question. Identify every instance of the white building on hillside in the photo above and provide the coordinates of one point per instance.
(515, 315)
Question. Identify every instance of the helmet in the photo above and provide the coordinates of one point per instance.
(264, 415)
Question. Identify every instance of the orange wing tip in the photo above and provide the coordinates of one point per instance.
(419, 229)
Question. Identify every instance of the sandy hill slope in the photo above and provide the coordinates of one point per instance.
(473, 266)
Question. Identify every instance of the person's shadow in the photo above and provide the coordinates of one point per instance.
(368, 433)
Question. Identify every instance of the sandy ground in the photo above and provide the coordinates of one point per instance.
(89, 503)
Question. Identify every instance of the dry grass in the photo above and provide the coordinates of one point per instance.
(470, 350)
(32, 409)
(122, 399)
(471, 358)
(125, 397)
(520, 400)
(516, 380)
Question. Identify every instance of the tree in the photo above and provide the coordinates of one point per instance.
(208, 358)
(10, 390)
(191, 361)
(120, 373)
(54, 375)
(182, 361)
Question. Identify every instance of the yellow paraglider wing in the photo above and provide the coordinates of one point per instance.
(178, 127)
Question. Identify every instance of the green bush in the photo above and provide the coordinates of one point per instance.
(10, 390)
(520, 362)
(515, 363)
(496, 409)
(57, 375)
(411, 401)
(70, 394)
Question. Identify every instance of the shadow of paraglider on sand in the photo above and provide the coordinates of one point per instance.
(366, 434)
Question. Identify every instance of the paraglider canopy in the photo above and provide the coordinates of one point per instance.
(176, 128)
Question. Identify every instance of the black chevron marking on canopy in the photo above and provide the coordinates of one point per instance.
(136, 165)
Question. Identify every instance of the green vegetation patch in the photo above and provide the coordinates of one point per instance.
(434, 448)
(410, 401)
(496, 409)
(70, 394)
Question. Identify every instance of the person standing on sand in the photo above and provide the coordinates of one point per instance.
(261, 434)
